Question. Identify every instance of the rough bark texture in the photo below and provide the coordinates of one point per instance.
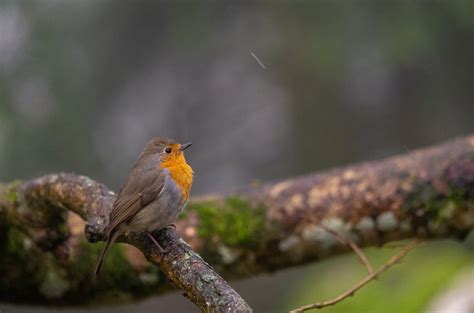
(39, 208)
(428, 193)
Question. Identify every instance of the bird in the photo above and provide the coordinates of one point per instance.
(153, 195)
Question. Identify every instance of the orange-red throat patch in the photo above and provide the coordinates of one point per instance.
(180, 171)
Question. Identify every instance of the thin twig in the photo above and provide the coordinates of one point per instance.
(349, 242)
(258, 60)
(392, 261)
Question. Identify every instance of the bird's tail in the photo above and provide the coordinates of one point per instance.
(110, 240)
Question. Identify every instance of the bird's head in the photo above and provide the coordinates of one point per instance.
(171, 152)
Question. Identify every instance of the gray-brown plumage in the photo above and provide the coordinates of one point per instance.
(153, 195)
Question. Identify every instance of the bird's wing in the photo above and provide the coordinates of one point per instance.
(139, 190)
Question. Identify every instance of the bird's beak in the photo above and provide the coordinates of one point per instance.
(184, 146)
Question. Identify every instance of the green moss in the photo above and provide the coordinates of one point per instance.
(234, 222)
(10, 191)
(63, 228)
(14, 242)
(438, 206)
(53, 279)
(116, 271)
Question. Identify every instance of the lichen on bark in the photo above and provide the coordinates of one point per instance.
(260, 228)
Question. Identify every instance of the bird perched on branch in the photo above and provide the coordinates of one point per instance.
(153, 195)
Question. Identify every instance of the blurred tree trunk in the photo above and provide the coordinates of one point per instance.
(427, 193)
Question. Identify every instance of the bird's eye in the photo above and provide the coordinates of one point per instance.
(168, 150)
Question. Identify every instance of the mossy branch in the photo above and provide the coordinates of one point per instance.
(36, 236)
(427, 193)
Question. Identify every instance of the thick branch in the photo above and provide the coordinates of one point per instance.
(427, 193)
(39, 210)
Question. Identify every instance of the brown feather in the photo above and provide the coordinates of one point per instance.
(138, 191)
(143, 187)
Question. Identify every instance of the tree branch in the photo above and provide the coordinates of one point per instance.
(428, 193)
(41, 206)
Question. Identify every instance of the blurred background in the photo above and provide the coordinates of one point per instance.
(265, 90)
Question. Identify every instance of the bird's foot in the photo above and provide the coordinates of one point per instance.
(163, 250)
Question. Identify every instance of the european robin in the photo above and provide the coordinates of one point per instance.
(153, 195)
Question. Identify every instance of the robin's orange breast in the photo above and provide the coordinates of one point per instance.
(180, 172)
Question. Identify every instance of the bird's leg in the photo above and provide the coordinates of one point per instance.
(162, 250)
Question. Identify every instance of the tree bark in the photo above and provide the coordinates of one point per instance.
(36, 213)
(427, 193)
